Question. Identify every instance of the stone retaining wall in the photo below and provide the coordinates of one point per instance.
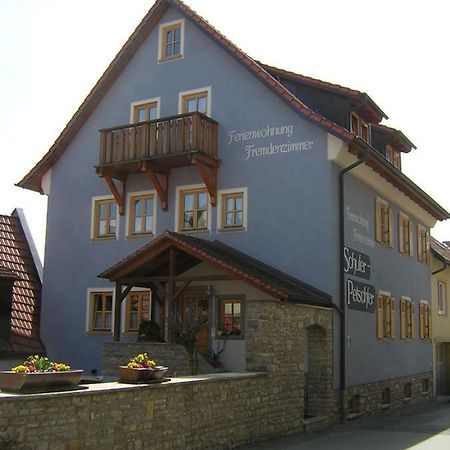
(370, 395)
(217, 411)
(174, 356)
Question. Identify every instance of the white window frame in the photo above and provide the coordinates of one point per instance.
(220, 195)
(206, 89)
(156, 100)
(442, 311)
(128, 213)
(93, 201)
(89, 309)
(190, 187)
(160, 41)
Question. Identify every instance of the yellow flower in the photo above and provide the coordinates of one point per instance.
(20, 369)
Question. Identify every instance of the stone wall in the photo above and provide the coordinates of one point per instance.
(217, 411)
(277, 341)
(174, 356)
(370, 395)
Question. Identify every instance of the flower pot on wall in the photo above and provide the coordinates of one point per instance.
(18, 382)
(141, 374)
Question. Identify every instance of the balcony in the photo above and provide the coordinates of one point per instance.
(155, 147)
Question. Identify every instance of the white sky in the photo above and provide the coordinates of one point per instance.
(53, 52)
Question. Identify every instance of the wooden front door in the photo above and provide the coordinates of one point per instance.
(197, 303)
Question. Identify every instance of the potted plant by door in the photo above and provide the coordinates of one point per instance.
(141, 369)
(38, 373)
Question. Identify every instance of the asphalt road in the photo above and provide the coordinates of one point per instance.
(425, 427)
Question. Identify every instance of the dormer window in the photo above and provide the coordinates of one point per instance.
(360, 127)
(171, 41)
(393, 157)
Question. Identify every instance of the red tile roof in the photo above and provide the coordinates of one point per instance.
(33, 179)
(441, 249)
(227, 259)
(16, 258)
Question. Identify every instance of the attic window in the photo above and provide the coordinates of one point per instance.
(393, 157)
(360, 127)
(171, 41)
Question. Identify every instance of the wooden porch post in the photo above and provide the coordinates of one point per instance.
(117, 308)
(170, 288)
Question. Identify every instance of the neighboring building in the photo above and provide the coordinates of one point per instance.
(242, 163)
(20, 289)
(440, 319)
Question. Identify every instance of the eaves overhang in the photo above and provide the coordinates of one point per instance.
(383, 167)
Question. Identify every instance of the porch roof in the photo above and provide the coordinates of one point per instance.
(151, 263)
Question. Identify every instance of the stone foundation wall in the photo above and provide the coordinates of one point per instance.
(280, 336)
(174, 356)
(217, 411)
(370, 395)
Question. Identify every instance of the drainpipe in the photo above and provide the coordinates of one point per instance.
(361, 160)
(442, 268)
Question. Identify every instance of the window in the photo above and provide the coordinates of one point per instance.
(407, 318)
(404, 234)
(138, 310)
(353, 403)
(383, 223)
(230, 316)
(423, 244)
(424, 320)
(233, 210)
(102, 303)
(360, 127)
(393, 157)
(171, 41)
(385, 317)
(442, 298)
(104, 218)
(407, 391)
(141, 214)
(386, 396)
(195, 100)
(425, 385)
(194, 209)
(145, 110)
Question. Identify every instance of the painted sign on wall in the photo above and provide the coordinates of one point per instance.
(360, 296)
(356, 263)
(253, 150)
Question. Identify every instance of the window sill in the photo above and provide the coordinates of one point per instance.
(407, 399)
(140, 236)
(105, 238)
(230, 337)
(99, 333)
(384, 406)
(195, 231)
(231, 229)
(425, 393)
(170, 58)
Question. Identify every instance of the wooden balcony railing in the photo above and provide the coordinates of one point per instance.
(158, 140)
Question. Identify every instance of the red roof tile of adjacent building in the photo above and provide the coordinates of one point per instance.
(17, 260)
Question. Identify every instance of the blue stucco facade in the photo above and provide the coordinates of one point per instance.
(293, 206)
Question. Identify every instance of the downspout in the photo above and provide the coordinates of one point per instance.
(362, 158)
(442, 268)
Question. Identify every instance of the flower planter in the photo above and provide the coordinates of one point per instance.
(141, 374)
(18, 382)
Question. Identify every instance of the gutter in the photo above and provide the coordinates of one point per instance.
(362, 158)
(443, 261)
